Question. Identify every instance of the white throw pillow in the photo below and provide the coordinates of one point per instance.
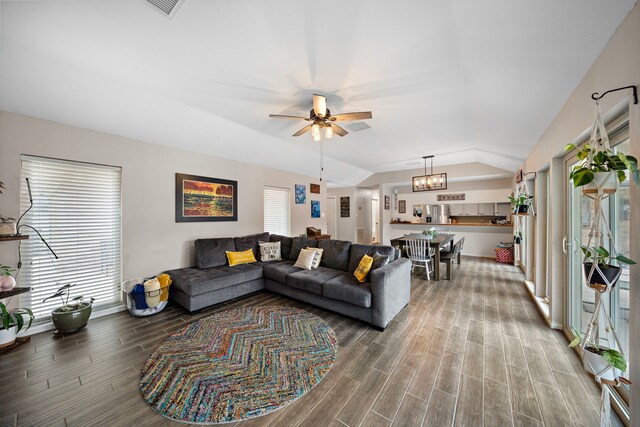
(270, 251)
(306, 259)
(316, 263)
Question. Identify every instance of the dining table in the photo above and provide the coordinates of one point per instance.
(438, 242)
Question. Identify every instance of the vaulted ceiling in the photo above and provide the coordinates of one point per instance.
(468, 81)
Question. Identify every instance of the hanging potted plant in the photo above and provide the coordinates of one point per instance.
(600, 168)
(7, 282)
(12, 323)
(70, 317)
(521, 203)
(603, 271)
(607, 363)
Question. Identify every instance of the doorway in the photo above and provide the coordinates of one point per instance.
(332, 214)
(375, 219)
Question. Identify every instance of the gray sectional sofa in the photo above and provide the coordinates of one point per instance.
(332, 285)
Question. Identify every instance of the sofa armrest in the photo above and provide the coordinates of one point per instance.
(390, 291)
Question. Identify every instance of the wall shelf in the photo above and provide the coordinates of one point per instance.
(9, 238)
(14, 291)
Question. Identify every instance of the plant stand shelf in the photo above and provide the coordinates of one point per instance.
(14, 291)
(18, 237)
(17, 343)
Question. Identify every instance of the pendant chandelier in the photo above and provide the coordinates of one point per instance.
(429, 182)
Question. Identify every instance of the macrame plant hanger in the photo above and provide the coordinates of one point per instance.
(600, 328)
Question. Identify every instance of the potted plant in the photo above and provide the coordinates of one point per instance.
(12, 323)
(599, 359)
(605, 270)
(7, 282)
(70, 317)
(521, 203)
(599, 168)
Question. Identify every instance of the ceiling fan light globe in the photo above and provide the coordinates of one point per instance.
(317, 137)
(315, 130)
(328, 132)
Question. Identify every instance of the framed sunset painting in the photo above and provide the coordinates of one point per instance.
(199, 198)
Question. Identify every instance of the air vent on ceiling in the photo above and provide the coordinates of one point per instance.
(168, 7)
(357, 126)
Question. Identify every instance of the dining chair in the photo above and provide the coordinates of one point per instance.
(420, 253)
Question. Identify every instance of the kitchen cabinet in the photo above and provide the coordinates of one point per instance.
(504, 209)
(456, 209)
(470, 209)
(486, 209)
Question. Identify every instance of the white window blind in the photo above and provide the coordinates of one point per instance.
(76, 208)
(276, 211)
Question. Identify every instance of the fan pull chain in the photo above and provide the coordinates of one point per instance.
(321, 158)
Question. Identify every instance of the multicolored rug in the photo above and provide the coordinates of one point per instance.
(238, 364)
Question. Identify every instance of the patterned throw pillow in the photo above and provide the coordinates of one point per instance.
(270, 251)
(237, 258)
(363, 268)
(306, 259)
(379, 261)
(316, 261)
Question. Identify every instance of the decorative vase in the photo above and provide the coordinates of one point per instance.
(7, 336)
(7, 283)
(8, 228)
(70, 321)
(603, 180)
(596, 365)
(597, 280)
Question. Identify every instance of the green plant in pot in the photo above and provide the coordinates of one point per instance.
(605, 271)
(598, 358)
(600, 168)
(13, 322)
(70, 317)
(521, 203)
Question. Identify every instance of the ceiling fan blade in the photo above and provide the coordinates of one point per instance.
(338, 130)
(305, 129)
(364, 115)
(319, 105)
(282, 116)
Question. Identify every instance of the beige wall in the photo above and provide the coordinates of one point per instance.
(152, 240)
(617, 65)
(346, 227)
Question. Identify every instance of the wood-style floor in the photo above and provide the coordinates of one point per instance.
(468, 352)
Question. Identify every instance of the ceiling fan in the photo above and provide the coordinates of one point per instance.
(322, 120)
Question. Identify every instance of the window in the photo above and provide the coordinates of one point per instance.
(76, 208)
(276, 211)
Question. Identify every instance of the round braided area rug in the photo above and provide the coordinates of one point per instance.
(238, 364)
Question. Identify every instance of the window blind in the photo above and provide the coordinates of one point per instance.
(76, 209)
(276, 211)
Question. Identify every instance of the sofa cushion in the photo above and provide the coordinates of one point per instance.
(358, 250)
(336, 253)
(211, 252)
(379, 261)
(278, 271)
(312, 280)
(195, 281)
(285, 245)
(346, 287)
(251, 242)
(301, 243)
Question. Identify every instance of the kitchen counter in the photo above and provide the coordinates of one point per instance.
(457, 224)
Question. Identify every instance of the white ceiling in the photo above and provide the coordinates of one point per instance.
(469, 81)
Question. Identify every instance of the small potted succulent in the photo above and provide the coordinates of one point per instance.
(12, 323)
(605, 271)
(521, 203)
(600, 168)
(598, 359)
(7, 282)
(431, 232)
(70, 317)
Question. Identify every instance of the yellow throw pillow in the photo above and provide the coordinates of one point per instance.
(363, 268)
(237, 258)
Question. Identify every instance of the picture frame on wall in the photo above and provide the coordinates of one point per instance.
(301, 194)
(402, 206)
(387, 203)
(345, 207)
(314, 188)
(201, 198)
(315, 209)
